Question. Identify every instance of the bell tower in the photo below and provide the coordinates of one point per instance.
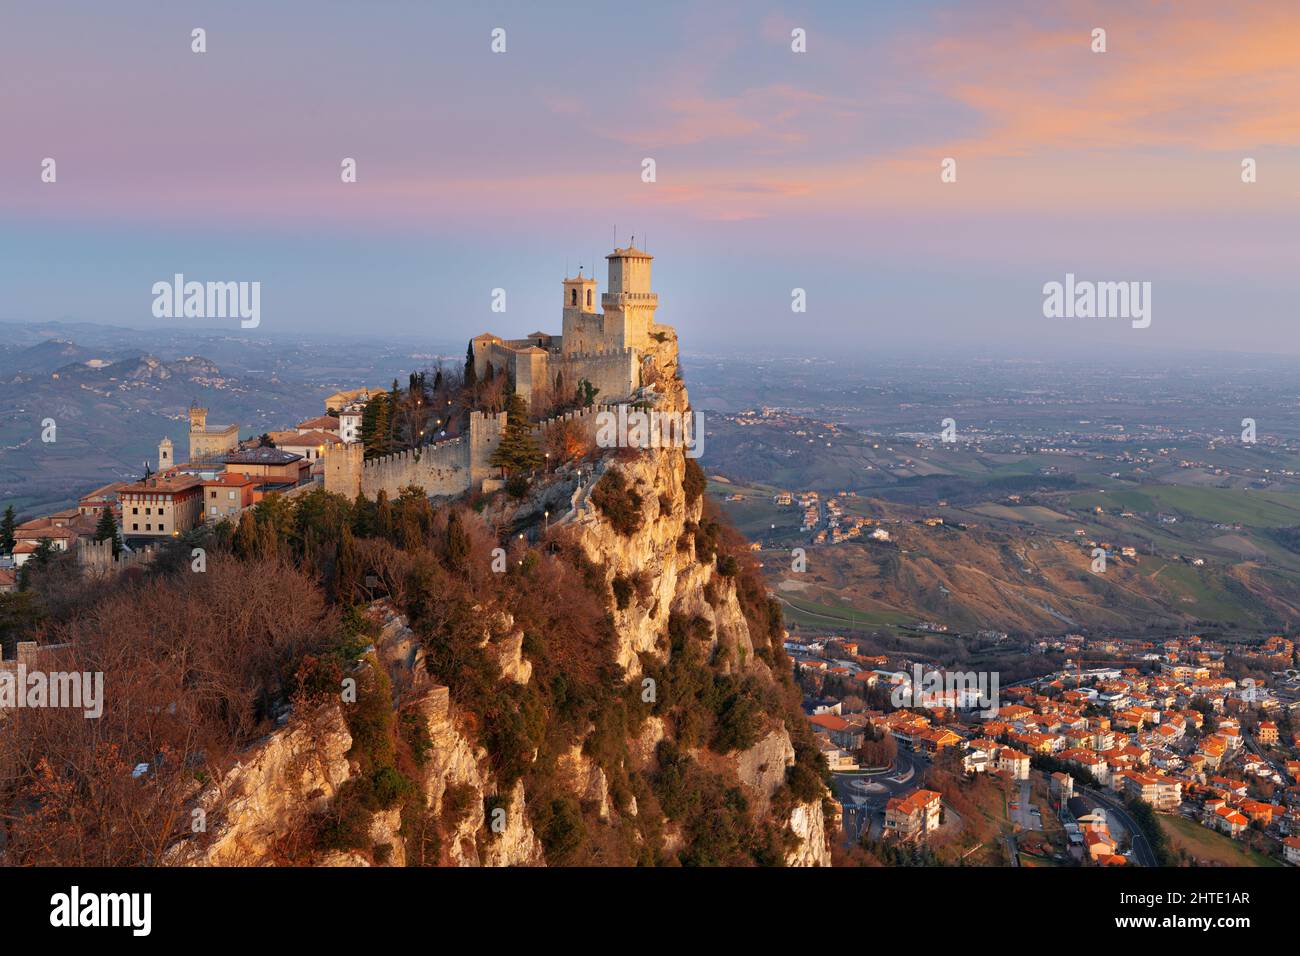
(165, 456)
(580, 293)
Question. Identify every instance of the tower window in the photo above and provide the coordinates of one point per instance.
(573, 297)
(589, 298)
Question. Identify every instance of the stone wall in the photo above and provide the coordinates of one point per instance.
(440, 469)
(446, 468)
(614, 372)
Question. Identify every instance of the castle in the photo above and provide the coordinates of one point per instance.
(618, 351)
(608, 348)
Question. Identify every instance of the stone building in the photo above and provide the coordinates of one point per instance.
(608, 348)
(209, 442)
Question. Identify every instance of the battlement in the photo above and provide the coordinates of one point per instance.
(411, 454)
(97, 557)
(450, 467)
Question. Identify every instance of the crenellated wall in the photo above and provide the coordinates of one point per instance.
(446, 468)
(441, 469)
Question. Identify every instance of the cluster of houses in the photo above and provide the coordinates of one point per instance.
(839, 525)
(221, 477)
(1177, 732)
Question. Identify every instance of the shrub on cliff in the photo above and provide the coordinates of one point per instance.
(693, 482)
(618, 502)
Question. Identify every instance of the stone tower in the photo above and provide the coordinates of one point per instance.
(198, 418)
(344, 465)
(580, 294)
(629, 304)
(165, 456)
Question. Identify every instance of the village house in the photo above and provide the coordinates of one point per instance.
(912, 816)
(276, 469)
(161, 506)
(227, 494)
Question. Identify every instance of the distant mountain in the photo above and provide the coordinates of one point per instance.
(47, 357)
(114, 393)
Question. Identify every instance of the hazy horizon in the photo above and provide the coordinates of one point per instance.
(775, 170)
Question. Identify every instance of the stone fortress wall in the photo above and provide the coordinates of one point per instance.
(448, 468)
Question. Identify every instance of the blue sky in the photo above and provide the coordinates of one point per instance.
(775, 170)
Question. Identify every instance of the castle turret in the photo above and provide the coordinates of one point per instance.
(580, 293)
(198, 417)
(629, 304)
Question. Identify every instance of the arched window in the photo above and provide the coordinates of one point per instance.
(589, 298)
(573, 297)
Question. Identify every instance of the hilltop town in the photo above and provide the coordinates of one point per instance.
(439, 434)
(560, 654)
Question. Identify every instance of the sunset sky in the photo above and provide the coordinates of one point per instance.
(775, 170)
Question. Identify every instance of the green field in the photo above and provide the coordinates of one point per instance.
(1260, 509)
(1209, 846)
(828, 615)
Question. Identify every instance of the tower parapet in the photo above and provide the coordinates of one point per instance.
(629, 305)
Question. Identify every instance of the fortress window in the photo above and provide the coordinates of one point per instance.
(589, 298)
(573, 296)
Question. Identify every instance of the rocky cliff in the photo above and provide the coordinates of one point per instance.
(696, 725)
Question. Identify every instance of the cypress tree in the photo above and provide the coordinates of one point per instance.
(383, 515)
(106, 530)
(8, 525)
(347, 570)
(244, 544)
(471, 376)
(457, 542)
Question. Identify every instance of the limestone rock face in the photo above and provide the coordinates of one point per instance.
(809, 825)
(517, 845)
(761, 768)
(510, 656)
(280, 783)
(455, 760)
(677, 579)
(586, 780)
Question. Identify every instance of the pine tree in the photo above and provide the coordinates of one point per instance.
(517, 451)
(8, 525)
(106, 530)
(363, 516)
(268, 542)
